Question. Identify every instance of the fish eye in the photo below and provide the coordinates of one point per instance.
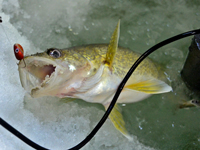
(54, 53)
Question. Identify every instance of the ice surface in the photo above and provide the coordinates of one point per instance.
(155, 123)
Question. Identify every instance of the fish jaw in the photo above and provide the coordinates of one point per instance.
(43, 76)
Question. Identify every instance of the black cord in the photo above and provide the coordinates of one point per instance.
(20, 136)
(105, 116)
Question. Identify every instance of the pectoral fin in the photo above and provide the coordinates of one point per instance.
(90, 82)
(112, 47)
(118, 121)
(150, 86)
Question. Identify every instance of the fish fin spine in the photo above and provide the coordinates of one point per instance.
(112, 47)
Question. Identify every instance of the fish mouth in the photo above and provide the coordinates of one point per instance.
(38, 75)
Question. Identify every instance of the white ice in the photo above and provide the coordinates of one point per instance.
(38, 25)
(47, 121)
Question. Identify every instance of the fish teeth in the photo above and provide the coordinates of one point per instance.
(47, 76)
(46, 80)
(61, 72)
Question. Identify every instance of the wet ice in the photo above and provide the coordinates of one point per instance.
(40, 25)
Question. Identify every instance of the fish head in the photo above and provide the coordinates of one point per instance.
(195, 102)
(54, 72)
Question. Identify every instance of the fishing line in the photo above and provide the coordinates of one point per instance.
(4, 30)
(15, 50)
(112, 104)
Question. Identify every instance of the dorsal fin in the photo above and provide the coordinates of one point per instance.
(112, 47)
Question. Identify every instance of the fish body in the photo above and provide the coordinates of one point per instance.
(82, 73)
(92, 73)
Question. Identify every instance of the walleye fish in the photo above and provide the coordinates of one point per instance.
(91, 73)
(188, 104)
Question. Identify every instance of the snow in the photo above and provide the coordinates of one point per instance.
(154, 123)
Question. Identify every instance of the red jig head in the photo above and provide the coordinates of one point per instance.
(19, 51)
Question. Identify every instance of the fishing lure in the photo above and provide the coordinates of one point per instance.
(19, 52)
